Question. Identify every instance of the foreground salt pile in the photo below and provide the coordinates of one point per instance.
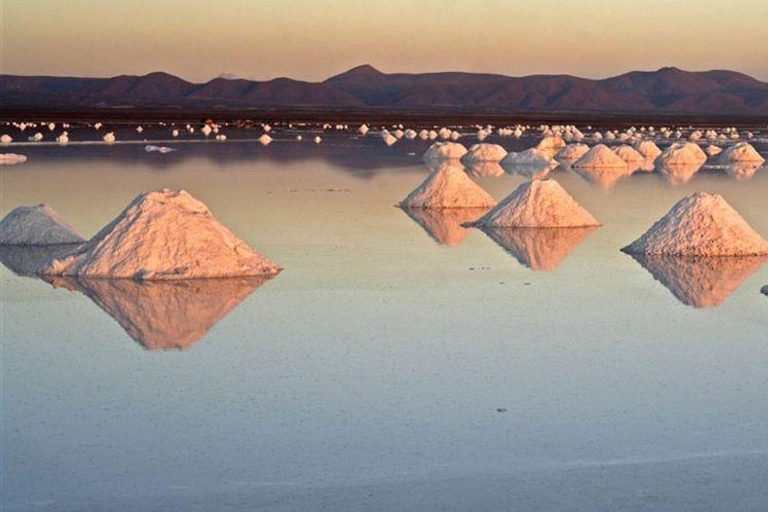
(163, 315)
(484, 152)
(444, 151)
(701, 224)
(36, 225)
(600, 156)
(743, 152)
(539, 249)
(166, 234)
(538, 204)
(700, 282)
(448, 186)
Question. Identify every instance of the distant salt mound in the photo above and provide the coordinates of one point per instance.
(571, 153)
(538, 204)
(551, 144)
(363, 129)
(166, 234)
(681, 153)
(448, 186)
(700, 225)
(742, 152)
(444, 151)
(628, 154)
(484, 152)
(600, 156)
(36, 225)
(530, 157)
(11, 159)
(647, 148)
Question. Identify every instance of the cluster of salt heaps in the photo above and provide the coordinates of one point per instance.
(36, 225)
(448, 186)
(12, 158)
(444, 151)
(164, 234)
(537, 204)
(701, 224)
(484, 152)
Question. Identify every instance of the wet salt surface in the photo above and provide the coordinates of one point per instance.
(368, 374)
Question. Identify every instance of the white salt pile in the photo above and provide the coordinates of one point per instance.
(157, 149)
(166, 234)
(538, 204)
(551, 145)
(448, 186)
(741, 153)
(681, 153)
(264, 139)
(63, 138)
(36, 225)
(221, 137)
(628, 154)
(571, 152)
(444, 151)
(532, 157)
(109, 138)
(484, 152)
(12, 158)
(647, 148)
(701, 224)
(600, 156)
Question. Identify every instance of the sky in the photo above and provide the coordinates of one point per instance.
(315, 39)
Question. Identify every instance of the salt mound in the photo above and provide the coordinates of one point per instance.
(700, 282)
(445, 226)
(741, 153)
(166, 234)
(484, 152)
(538, 204)
(600, 156)
(539, 249)
(628, 154)
(551, 145)
(700, 225)
(448, 187)
(12, 158)
(531, 157)
(444, 151)
(165, 315)
(571, 152)
(647, 148)
(681, 153)
(36, 225)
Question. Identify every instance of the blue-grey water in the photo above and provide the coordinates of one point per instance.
(396, 363)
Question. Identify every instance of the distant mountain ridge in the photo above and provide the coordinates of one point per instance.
(667, 90)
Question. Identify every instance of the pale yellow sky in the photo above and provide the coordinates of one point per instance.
(311, 40)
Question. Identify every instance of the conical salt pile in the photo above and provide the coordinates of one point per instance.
(538, 204)
(166, 234)
(700, 225)
(448, 187)
(36, 225)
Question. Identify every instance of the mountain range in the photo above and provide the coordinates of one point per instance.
(668, 90)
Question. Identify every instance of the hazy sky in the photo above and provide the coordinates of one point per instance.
(313, 39)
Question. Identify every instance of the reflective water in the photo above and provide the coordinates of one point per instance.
(399, 362)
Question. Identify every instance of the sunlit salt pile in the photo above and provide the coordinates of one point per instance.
(628, 154)
(600, 156)
(318, 140)
(484, 152)
(264, 139)
(444, 151)
(63, 138)
(743, 152)
(165, 234)
(12, 158)
(36, 225)
(448, 186)
(175, 133)
(571, 152)
(681, 153)
(37, 137)
(701, 224)
(538, 204)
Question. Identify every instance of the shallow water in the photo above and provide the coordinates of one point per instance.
(397, 363)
